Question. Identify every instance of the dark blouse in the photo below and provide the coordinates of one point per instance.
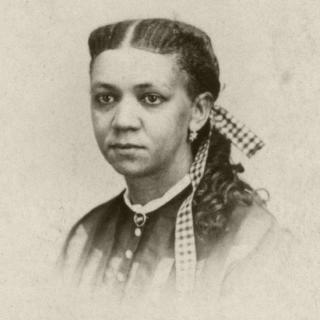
(133, 259)
(246, 267)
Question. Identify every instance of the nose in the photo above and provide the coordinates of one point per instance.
(126, 115)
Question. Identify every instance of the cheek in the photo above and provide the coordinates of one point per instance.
(100, 126)
(171, 129)
(179, 121)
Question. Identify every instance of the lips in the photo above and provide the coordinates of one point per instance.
(126, 149)
(125, 146)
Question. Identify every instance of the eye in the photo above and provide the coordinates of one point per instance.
(105, 98)
(152, 99)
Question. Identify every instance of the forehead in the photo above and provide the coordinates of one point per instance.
(131, 66)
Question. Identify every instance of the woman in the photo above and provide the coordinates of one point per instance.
(186, 225)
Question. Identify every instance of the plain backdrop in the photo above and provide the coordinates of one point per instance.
(51, 169)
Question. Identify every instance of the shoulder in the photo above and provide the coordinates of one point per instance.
(100, 214)
(252, 232)
(254, 226)
(260, 261)
(257, 237)
(254, 242)
(88, 231)
(97, 218)
(253, 265)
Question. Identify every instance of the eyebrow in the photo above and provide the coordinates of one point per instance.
(103, 85)
(141, 86)
(148, 85)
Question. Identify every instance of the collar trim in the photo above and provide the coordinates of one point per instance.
(159, 202)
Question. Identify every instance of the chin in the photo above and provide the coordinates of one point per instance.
(131, 170)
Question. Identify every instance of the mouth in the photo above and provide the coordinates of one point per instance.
(125, 146)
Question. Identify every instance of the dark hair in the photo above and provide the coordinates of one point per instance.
(192, 46)
(220, 188)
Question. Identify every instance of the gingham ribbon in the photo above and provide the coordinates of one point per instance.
(185, 247)
(241, 136)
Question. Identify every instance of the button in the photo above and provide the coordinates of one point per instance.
(128, 254)
(139, 219)
(137, 232)
(120, 277)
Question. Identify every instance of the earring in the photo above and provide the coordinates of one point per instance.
(192, 135)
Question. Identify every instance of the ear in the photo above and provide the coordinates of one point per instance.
(200, 111)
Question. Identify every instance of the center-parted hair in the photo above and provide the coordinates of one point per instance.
(220, 189)
(191, 45)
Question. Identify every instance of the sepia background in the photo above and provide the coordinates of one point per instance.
(51, 169)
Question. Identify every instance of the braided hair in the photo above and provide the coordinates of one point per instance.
(220, 189)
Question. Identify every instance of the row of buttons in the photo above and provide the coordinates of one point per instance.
(128, 254)
(119, 275)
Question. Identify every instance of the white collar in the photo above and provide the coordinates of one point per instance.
(159, 202)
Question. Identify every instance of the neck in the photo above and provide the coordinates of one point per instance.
(147, 188)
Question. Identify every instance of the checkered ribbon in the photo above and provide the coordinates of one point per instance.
(242, 137)
(185, 247)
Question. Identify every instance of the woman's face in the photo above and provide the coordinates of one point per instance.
(140, 111)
